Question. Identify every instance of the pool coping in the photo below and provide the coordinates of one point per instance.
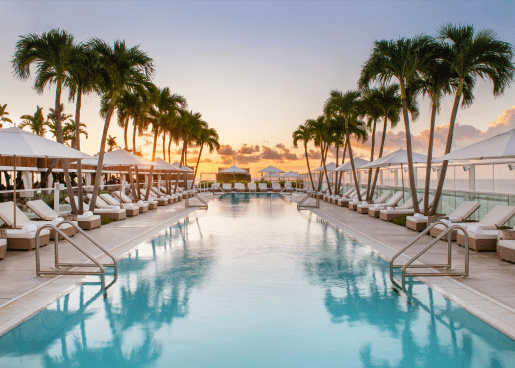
(45, 294)
(471, 300)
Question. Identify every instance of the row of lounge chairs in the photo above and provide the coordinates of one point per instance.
(251, 188)
(116, 207)
(484, 235)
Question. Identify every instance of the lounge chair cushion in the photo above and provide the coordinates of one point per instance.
(41, 209)
(499, 215)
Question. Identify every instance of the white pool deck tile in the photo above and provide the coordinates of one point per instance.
(489, 292)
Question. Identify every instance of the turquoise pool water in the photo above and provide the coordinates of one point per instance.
(252, 282)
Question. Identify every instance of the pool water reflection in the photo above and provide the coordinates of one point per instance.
(252, 282)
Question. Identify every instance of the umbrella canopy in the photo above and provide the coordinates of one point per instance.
(120, 157)
(18, 142)
(291, 174)
(329, 167)
(270, 170)
(358, 164)
(498, 146)
(233, 170)
(398, 157)
(182, 168)
(163, 165)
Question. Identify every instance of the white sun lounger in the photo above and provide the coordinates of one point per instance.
(379, 201)
(405, 210)
(3, 248)
(342, 202)
(460, 214)
(353, 206)
(85, 222)
(114, 213)
(7, 216)
(288, 187)
(239, 187)
(129, 208)
(227, 187)
(143, 206)
(160, 201)
(252, 187)
(375, 209)
(276, 187)
(493, 220)
(263, 187)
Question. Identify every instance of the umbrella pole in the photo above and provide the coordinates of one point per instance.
(137, 182)
(14, 194)
(402, 179)
(121, 184)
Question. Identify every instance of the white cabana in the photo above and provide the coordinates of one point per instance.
(271, 170)
(18, 142)
(498, 146)
(233, 170)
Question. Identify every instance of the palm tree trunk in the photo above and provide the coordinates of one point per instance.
(369, 192)
(198, 161)
(307, 162)
(125, 132)
(100, 164)
(354, 174)
(156, 132)
(178, 173)
(325, 169)
(185, 153)
(409, 150)
(134, 136)
(429, 158)
(383, 138)
(448, 146)
(149, 182)
(164, 146)
(343, 161)
(77, 146)
(337, 157)
(67, 179)
(170, 150)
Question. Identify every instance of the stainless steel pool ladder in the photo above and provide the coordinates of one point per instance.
(301, 204)
(96, 263)
(404, 267)
(203, 204)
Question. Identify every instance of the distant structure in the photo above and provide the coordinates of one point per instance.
(244, 168)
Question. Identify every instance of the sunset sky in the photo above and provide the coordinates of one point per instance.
(256, 70)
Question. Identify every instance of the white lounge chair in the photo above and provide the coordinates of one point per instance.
(276, 187)
(263, 187)
(389, 214)
(129, 208)
(342, 202)
(7, 216)
(379, 200)
(375, 209)
(252, 187)
(493, 220)
(460, 214)
(215, 188)
(86, 221)
(288, 187)
(239, 187)
(227, 187)
(114, 213)
(3, 248)
(160, 201)
(143, 206)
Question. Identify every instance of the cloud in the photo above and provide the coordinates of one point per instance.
(279, 155)
(226, 150)
(206, 160)
(248, 150)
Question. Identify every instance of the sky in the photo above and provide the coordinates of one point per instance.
(257, 70)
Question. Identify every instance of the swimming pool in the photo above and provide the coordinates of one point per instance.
(252, 282)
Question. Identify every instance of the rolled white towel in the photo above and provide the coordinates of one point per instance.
(344, 197)
(168, 196)
(355, 201)
(29, 229)
(151, 200)
(162, 197)
(418, 215)
(57, 221)
(474, 229)
(446, 222)
(377, 206)
(116, 208)
(337, 197)
(87, 214)
(389, 208)
(140, 202)
(128, 205)
(364, 203)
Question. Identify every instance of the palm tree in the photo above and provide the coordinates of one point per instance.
(322, 138)
(111, 143)
(471, 55)
(120, 69)
(391, 105)
(54, 55)
(345, 107)
(304, 133)
(400, 59)
(35, 122)
(207, 137)
(52, 122)
(70, 132)
(3, 116)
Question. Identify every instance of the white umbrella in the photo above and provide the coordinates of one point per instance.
(271, 170)
(18, 142)
(291, 174)
(358, 164)
(498, 146)
(330, 167)
(233, 170)
(398, 157)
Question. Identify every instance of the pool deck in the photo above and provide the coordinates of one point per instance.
(22, 294)
(489, 292)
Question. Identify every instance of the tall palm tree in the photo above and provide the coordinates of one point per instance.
(391, 105)
(207, 137)
(3, 115)
(472, 55)
(52, 122)
(304, 133)
(120, 69)
(400, 59)
(111, 143)
(345, 106)
(36, 122)
(322, 139)
(70, 132)
(54, 55)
